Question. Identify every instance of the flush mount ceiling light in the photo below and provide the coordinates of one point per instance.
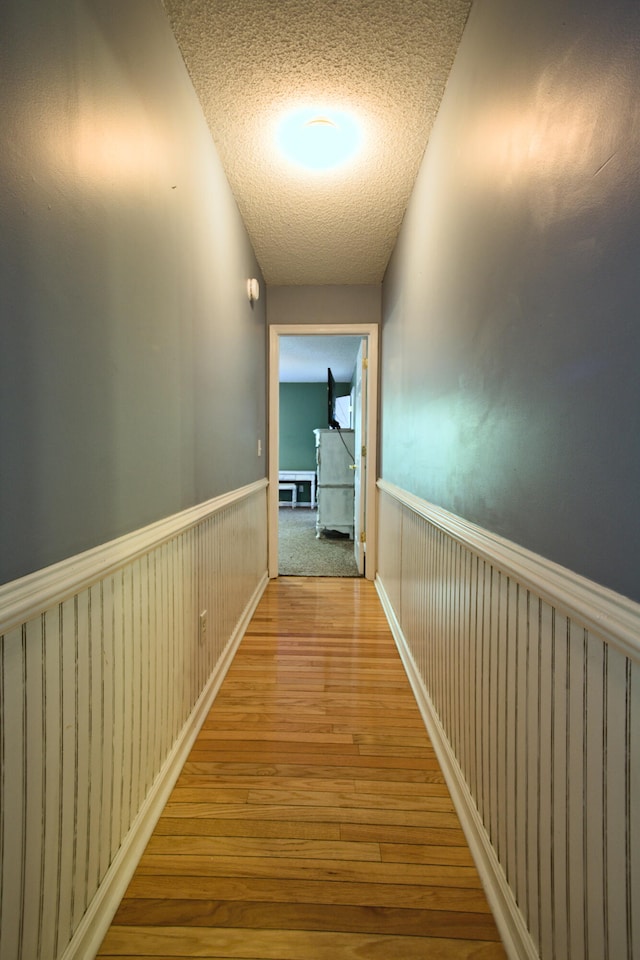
(318, 139)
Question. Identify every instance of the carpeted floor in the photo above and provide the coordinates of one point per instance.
(301, 554)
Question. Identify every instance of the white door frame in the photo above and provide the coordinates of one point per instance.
(369, 330)
(359, 421)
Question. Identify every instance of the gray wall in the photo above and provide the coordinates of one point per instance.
(330, 303)
(132, 365)
(511, 335)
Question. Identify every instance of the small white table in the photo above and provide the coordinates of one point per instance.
(295, 476)
(293, 489)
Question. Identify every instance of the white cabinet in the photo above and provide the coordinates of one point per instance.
(334, 459)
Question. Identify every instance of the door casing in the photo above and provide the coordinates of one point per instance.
(370, 331)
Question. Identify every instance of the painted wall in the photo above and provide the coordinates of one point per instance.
(303, 408)
(332, 303)
(132, 365)
(511, 341)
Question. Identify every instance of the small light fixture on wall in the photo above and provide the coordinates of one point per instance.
(253, 290)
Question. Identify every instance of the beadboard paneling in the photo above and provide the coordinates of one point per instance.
(97, 690)
(537, 714)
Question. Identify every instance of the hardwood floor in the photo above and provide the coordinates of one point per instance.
(311, 820)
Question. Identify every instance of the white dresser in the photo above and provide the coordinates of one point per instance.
(334, 459)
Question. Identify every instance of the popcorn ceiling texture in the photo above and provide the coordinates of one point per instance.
(386, 60)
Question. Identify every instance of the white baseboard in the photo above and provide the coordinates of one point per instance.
(511, 925)
(91, 931)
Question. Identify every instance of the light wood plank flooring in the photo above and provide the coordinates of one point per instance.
(311, 820)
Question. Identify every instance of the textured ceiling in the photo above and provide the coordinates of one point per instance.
(305, 359)
(386, 61)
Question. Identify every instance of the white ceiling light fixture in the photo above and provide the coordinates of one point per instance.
(319, 139)
(253, 290)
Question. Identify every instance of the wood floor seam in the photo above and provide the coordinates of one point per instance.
(311, 820)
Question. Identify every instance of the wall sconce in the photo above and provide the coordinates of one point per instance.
(253, 290)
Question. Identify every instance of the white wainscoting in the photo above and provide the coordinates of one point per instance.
(528, 677)
(105, 678)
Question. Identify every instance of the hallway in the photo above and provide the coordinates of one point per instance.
(311, 819)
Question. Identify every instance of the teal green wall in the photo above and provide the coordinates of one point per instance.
(303, 408)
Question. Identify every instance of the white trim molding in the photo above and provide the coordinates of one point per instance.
(22, 599)
(614, 617)
(109, 662)
(528, 679)
(513, 930)
(95, 923)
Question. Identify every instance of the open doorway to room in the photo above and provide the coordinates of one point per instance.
(322, 437)
(316, 456)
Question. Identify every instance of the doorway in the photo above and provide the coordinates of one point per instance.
(364, 460)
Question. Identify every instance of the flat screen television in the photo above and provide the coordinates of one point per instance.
(331, 412)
